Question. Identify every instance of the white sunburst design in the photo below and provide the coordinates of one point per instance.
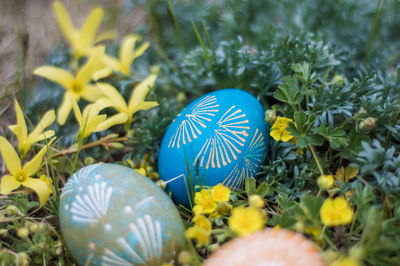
(189, 128)
(91, 207)
(77, 178)
(224, 144)
(252, 160)
(148, 235)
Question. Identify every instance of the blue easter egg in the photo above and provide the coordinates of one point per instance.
(112, 215)
(221, 137)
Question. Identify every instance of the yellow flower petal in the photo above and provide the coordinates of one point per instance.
(8, 184)
(23, 131)
(140, 92)
(102, 73)
(244, 221)
(45, 135)
(286, 137)
(93, 64)
(220, 193)
(92, 124)
(45, 122)
(31, 167)
(350, 172)
(40, 188)
(57, 75)
(276, 135)
(65, 109)
(77, 111)
(140, 50)
(10, 156)
(90, 27)
(111, 62)
(112, 121)
(126, 50)
(115, 97)
(64, 21)
(91, 93)
(107, 35)
(145, 106)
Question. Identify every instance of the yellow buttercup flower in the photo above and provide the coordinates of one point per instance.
(202, 221)
(127, 54)
(345, 174)
(204, 200)
(136, 102)
(22, 175)
(325, 181)
(90, 120)
(245, 221)
(198, 233)
(76, 86)
(83, 39)
(336, 212)
(220, 193)
(25, 141)
(279, 129)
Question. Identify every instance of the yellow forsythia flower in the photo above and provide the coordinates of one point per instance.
(21, 175)
(256, 201)
(220, 193)
(127, 54)
(245, 221)
(205, 202)
(336, 212)
(198, 233)
(25, 141)
(136, 102)
(325, 181)
(279, 129)
(75, 86)
(83, 39)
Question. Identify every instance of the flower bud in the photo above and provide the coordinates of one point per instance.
(368, 123)
(116, 145)
(256, 201)
(337, 79)
(299, 227)
(34, 227)
(270, 116)
(185, 257)
(325, 182)
(181, 97)
(23, 232)
(89, 160)
(12, 210)
(3, 232)
(22, 259)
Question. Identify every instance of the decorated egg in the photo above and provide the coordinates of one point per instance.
(267, 247)
(112, 215)
(221, 137)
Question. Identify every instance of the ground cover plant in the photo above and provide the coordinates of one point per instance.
(326, 72)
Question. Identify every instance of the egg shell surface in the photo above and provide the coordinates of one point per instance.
(112, 215)
(221, 137)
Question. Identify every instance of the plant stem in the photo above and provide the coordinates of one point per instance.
(103, 141)
(316, 159)
(178, 30)
(352, 227)
(203, 47)
(374, 28)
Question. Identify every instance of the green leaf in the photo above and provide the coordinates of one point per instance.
(263, 189)
(336, 136)
(250, 186)
(288, 91)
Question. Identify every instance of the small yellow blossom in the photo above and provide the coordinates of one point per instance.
(202, 221)
(314, 231)
(127, 54)
(325, 182)
(204, 200)
(220, 193)
(256, 201)
(21, 175)
(336, 212)
(201, 235)
(90, 121)
(25, 141)
(348, 261)
(245, 221)
(279, 129)
(83, 39)
(77, 86)
(136, 102)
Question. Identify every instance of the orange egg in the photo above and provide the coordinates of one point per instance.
(268, 247)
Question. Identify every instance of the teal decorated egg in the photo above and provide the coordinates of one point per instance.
(221, 137)
(112, 215)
